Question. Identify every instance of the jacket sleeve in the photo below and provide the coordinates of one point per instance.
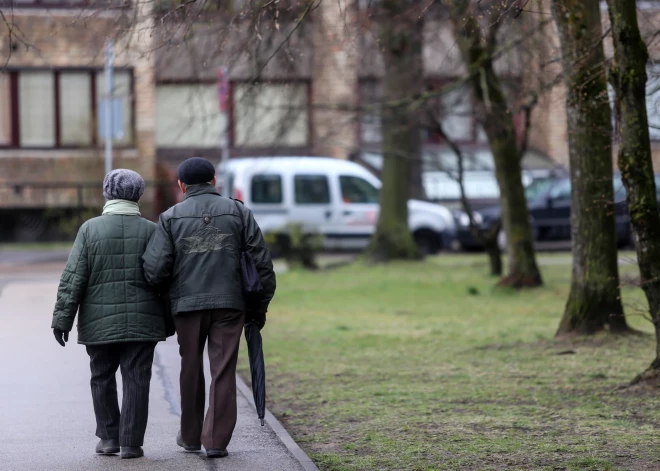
(256, 247)
(158, 258)
(73, 285)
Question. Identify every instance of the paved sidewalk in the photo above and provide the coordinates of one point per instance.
(46, 415)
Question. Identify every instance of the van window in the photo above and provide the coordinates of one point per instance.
(312, 189)
(356, 190)
(266, 189)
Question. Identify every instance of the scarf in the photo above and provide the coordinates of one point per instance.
(123, 207)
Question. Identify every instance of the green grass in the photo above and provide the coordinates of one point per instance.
(37, 246)
(399, 368)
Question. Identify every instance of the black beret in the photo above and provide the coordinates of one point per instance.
(196, 170)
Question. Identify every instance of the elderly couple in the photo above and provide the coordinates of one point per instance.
(134, 283)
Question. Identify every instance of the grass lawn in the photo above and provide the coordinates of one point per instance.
(36, 246)
(404, 367)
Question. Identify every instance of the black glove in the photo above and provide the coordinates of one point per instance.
(258, 318)
(61, 336)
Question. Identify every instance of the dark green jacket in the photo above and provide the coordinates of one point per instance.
(103, 281)
(195, 253)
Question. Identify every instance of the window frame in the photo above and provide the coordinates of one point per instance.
(281, 181)
(14, 105)
(260, 149)
(315, 175)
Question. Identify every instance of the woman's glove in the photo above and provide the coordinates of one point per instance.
(61, 336)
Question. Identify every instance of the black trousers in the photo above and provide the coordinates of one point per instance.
(135, 360)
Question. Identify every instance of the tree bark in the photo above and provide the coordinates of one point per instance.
(400, 35)
(594, 301)
(477, 52)
(628, 77)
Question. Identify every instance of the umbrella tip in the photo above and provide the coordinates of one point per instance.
(262, 422)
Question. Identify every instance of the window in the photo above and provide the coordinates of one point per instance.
(36, 109)
(269, 114)
(455, 108)
(189, 116)
(266, 189)
(371, 95)
(355, 190)
(561, 191)
(312, 189)
(122, 90)
(58, 109)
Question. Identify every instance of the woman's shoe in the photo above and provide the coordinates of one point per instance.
(129, 452)
(107, 447)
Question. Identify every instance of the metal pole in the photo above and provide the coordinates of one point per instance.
(109, 59)
(225, 162)
(223, 96)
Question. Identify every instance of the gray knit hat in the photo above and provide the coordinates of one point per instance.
(123, 184)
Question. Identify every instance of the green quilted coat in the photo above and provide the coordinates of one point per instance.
(103, 281)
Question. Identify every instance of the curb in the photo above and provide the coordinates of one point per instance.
(297, 452)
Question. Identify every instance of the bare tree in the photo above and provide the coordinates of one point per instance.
(628, 78)
(400, 35)
(594, 301)
(478, 44)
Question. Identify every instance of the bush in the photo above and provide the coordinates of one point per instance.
(296, 245)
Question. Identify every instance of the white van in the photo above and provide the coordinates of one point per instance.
(332, 197)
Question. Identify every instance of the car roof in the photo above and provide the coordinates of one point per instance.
(288, 164)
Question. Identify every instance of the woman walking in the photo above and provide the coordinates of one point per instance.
(120, 317)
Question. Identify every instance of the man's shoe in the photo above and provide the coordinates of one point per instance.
(107, 447)
(130, 452)
(216, 453)
(185, 446)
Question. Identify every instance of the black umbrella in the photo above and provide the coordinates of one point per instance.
(257, 369)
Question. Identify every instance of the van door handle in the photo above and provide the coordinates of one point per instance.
(328, 214)
(347, 212)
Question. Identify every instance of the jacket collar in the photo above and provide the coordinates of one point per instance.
(201, 189)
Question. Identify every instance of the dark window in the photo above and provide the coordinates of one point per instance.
(357, 190)
(312, 189)
(266, 189)
(59, 109)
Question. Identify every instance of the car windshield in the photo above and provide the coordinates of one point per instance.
(538, 188)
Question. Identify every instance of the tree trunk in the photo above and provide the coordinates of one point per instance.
(628, 76)
(477, 53)
(594, 301)
(400, 34)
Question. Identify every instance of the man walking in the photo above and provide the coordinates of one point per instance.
(195, 254)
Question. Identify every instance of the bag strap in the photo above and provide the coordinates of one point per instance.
(240, 215)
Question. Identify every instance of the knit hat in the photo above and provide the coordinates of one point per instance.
(196, 170)
(123, 184)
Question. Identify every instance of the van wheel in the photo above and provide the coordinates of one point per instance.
(428, 242)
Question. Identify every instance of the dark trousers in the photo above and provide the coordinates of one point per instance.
(135, 360)
(222, 328)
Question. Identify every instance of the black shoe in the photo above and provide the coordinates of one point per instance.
(185, 446)
(107, 447)
(129, 452)
(216, 453)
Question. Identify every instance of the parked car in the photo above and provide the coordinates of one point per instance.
(549, 204)
(441, 186)
(335, 198)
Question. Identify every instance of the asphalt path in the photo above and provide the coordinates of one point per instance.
(46, 415)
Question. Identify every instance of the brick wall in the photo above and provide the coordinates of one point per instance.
(70, 38)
